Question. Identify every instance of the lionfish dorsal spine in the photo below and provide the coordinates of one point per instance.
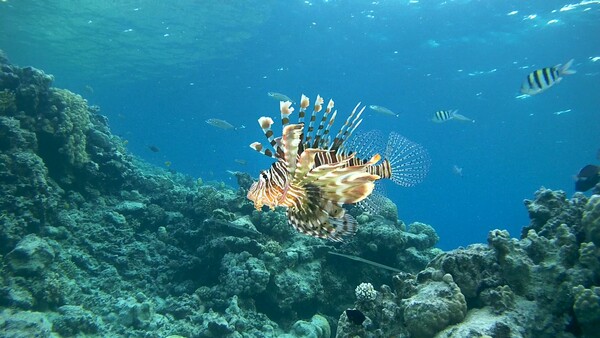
(265, 124)
(326, 135)
(304, 103)
(290, 143)
(313, 117)
(318, 143)
(347, 128)
(261, 149)
(285, 107)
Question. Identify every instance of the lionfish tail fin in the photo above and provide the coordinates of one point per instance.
(406, 162)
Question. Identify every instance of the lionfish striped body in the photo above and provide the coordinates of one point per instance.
(314, 175)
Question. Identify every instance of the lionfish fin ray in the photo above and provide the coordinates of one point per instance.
(261, 149)
(285, 107)
(266, 124)
(304, 103)
(319, 217)
(342, 183)
(290, 144)
(408, 161)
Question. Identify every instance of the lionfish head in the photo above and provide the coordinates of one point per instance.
(262, 193)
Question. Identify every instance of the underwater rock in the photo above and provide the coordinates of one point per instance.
(74, 320)
(317, 327)
(591, 220)
(299, 285)
(482, 323)
(133, 312)
(587, 309)
(31, 256)
(18, 324)
(499, 299)
(234, 318)
(13, 137)
(550, 209)
(242, 274)
(434, 306)
(425, 238)
(472, 269)
(130, 207)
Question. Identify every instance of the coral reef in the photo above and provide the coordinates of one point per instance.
(95, 242)
(542, 285)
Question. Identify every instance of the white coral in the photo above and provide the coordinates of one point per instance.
(365, 292)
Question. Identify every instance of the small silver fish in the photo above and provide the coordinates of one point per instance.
(280, 97)
(441, 116)
(383, 110)
(541, 79)
(457, 170)
(220, 124)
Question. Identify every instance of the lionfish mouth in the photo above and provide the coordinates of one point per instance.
(315, 173)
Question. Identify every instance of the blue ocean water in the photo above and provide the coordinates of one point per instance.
(158, 70)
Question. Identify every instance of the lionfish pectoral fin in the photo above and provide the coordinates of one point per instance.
(345, 184)
(350, 189)
(306, 162)
(321, 218)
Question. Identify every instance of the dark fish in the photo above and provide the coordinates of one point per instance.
(587, 178)
(154, 149)
(541, 79)
(355, 316)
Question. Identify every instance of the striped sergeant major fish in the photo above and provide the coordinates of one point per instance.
(441, 116)
(542, 79)
(315, 173)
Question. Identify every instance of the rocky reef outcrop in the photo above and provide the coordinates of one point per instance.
(95, 242)
(545, 284)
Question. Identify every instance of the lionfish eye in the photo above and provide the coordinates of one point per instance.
(263, 175)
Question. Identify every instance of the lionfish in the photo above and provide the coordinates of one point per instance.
(315, 175)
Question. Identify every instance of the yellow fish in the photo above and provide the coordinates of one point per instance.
(541, 79)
